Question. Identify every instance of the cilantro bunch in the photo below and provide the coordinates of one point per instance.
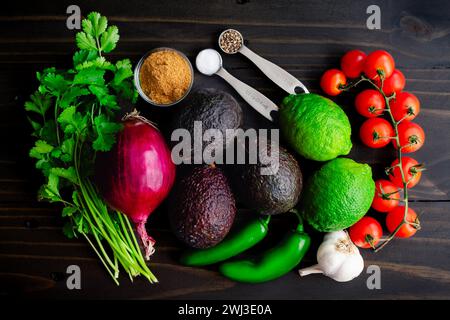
(74, 115)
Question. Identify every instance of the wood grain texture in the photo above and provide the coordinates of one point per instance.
(304, 37)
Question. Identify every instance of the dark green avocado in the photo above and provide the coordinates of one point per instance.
(269, 194)
(214, 108)
(202, 208)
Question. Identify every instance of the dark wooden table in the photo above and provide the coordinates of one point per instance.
(304, 37)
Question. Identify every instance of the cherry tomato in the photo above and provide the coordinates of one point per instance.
(331, 80)
(379, 61)
(412, 170)
(366, 233)
(352, 63)
(369, 103)
(386, 196)
(395, 83)
(405, 106)
(376, 132)
(411, 136)
(395, 217)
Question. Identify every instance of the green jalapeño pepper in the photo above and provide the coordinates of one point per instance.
(236, 242)
(272, 264)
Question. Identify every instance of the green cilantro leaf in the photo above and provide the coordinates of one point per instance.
(85, 41)
(48, 132)
(50, 191)
(90, 76)
(36, 126)
(39, 103)
(44, 165)
(66, 173)
(69, 211)
(123, 71)
(69, 230)
(75, 197)
(40, 148)
(82, 56)
(71, 95)
(103, 96)
(55, 83)
(67, 147)
(99, 62)
(72, 121)
(95, 24)
(126, 90)
(41, 75)
(56, 153)
(109, 39)
(31, 106)
(106, 132)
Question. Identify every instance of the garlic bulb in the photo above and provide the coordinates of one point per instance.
(337, 258)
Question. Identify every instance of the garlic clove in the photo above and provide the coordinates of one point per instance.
(350, 269)
(329, 260)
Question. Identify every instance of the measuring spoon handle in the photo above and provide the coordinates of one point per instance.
(254, 98)
(281, 77)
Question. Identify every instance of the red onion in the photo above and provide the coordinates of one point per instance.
(137, 174)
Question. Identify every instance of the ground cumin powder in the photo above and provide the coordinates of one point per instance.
(165, 76)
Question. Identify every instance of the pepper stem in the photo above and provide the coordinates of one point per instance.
(300, 219)
(266, 220)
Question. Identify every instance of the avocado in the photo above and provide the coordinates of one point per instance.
(215, 109)
(202, 209)
(269, 194)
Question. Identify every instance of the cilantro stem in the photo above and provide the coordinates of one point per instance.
(134, 245)
(105, 255)
(56, 120)
(99, 47)
(101, 258)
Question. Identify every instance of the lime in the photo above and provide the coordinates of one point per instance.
(338, 195)
(316, 127)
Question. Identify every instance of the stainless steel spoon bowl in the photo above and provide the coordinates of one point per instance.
(279, 76)
(253, 97)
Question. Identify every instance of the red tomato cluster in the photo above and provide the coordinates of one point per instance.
(376, 132)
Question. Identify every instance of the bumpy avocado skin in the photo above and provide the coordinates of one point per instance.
(202, 208)
(316, 127)
(338, 195)
(216, 109)
(270, 194)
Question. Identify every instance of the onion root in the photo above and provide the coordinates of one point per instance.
(147, 241)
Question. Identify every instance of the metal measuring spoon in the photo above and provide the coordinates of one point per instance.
(281, 77)
(254, 98)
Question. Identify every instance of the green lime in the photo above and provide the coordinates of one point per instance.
(338, 195)
(316, 127)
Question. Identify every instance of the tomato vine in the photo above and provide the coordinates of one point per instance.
(415, 224)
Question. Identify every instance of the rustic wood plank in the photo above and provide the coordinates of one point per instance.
(405, 264)
(304, 37)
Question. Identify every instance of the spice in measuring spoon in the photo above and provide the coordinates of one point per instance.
(230, 41)
(209, 62)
